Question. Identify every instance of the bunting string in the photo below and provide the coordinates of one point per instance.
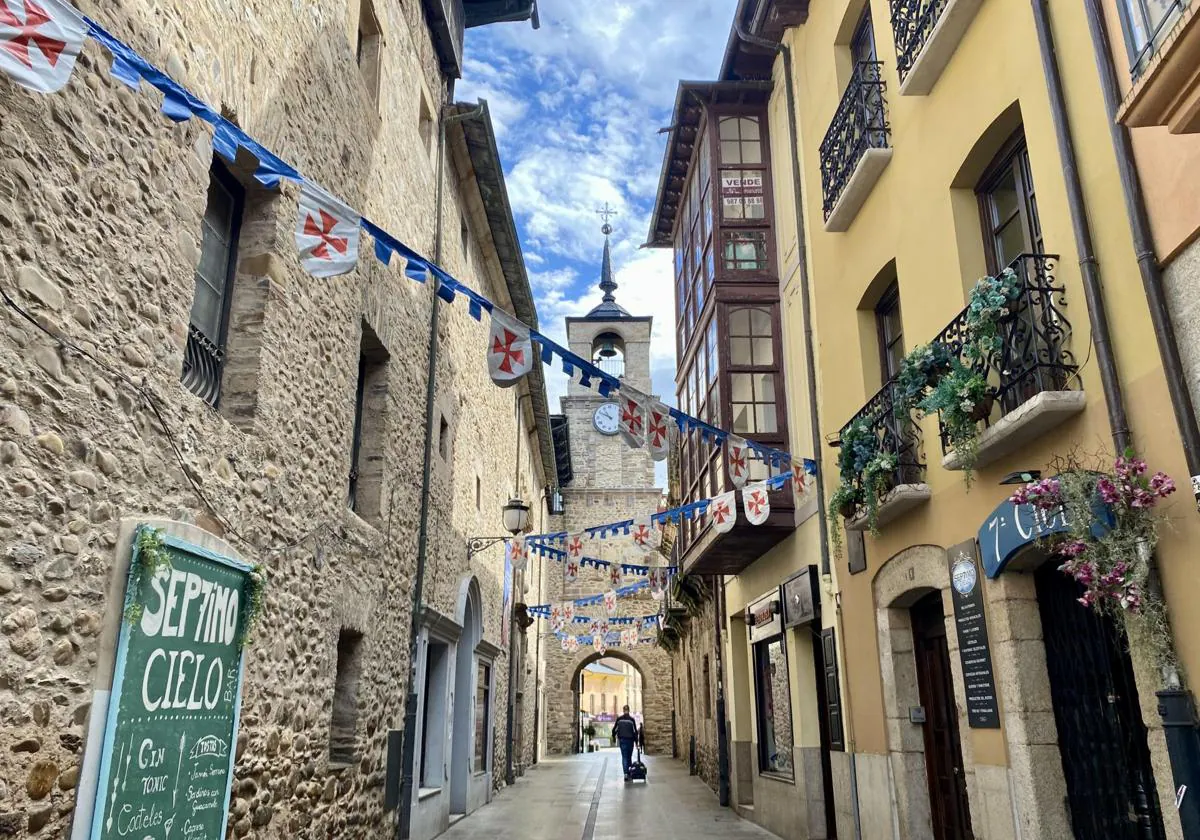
(327, 235)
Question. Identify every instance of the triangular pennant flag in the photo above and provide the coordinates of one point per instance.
(737, 461)
(510, 350)
(722, 512)
(633, 417)
(615, 575)
(658, 431)
(645, 534)
(518, 553)
(327, 233)
(570, 571)
(610, 602)
(39, 42)
(756, 502)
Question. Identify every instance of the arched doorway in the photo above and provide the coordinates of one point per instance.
(604, 684)
(466, 731)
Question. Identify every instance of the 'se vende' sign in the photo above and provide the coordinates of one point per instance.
(172, 720)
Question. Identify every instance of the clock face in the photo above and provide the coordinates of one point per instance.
(607, 419)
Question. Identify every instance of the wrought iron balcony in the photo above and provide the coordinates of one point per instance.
(612, 365)
(859, 124)
(913, 22)
(1032, 357)
(898, 436)
(202, 361)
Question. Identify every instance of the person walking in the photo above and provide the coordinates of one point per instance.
(625, 730)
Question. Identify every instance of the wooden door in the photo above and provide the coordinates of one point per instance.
(943, 753)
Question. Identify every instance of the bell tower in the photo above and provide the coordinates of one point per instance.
(619, 344)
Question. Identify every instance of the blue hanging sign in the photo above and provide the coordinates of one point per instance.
(1010, 528)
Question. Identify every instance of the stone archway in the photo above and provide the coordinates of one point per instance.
(562, 704)
(902, 581)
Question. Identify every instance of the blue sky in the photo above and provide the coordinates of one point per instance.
(576, 107)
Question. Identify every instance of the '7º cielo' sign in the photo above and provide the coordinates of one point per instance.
(171, 731)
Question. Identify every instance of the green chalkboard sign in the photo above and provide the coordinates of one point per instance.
(172, 724)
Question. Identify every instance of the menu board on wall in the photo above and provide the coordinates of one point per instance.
(979, 683)
(171, 731)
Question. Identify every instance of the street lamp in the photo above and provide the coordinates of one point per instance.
(515, 516)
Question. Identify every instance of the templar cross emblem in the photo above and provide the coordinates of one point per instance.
(324, 232)
(25, 34)
(575, 546)
(641, 535)
(756, 501)
(658, 429)
(719, 512)
(737, 460)
(632, 418)
(798, 478)
(511, 353)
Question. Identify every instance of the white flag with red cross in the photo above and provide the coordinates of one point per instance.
(510, 349)
(570, 571)
(629, 638)
(598, 643)
(645, 534)
(658, 582)
(327, 233)
(616, 577)
(756, 502)
(722, 512)
(633, 417)
(566, 643)
(518, 553)
(610, 602)
(737, 460)
(575, 545)
(658, 431)
(572, 644)
(556, 618)
(568, 613)
(39, 42)
(803, 484)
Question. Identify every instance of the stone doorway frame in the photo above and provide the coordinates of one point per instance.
(590, 656)
(901, 581)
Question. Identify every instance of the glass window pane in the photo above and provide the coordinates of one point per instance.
(218, 213)
(1004, 198)
(743, 418)
(764, 419)
(731, 151)
(751, 152)
(764, 387)
(764, 352)
(741, 387)
(749, 128)
(739, 321)
(1010, 242)
(760, 322)
(739, 352)
(206, 311)
(773, 690)
(755, 208)
(729, 128)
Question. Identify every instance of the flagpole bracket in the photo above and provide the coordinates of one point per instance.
(478, 544)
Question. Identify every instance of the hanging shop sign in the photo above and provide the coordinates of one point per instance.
(1011, 528)
(801, 598)
(979, 683)
(171, 730)
(764, 617)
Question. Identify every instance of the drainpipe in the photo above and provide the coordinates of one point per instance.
(718, 586)
(1110, 382)
(814, 415)
(509, 774)
(409, 751)
(1176, 703)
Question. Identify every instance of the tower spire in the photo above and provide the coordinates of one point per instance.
(607, 284)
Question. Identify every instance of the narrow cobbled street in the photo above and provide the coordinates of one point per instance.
(585, 798)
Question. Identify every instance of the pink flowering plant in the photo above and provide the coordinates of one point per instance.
(1112, 561)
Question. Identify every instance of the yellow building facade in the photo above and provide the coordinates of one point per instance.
(972, 694)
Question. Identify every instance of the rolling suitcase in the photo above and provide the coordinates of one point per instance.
(637, 770)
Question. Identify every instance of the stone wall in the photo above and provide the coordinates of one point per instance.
(100, 206)
(695, 669)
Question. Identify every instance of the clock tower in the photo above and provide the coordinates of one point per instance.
(611, 481)
(605, 467)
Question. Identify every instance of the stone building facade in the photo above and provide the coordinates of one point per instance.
(611, 482)
(694, 670)
(101, 204)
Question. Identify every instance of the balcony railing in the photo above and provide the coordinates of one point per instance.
(913, 22)
(202, 366)
(859, 124)
(898, 436)
(1032, 355)
(612, 365)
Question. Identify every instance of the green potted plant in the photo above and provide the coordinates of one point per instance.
(859, 444)
(990, 301)
(920, 370)
(963, 398)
